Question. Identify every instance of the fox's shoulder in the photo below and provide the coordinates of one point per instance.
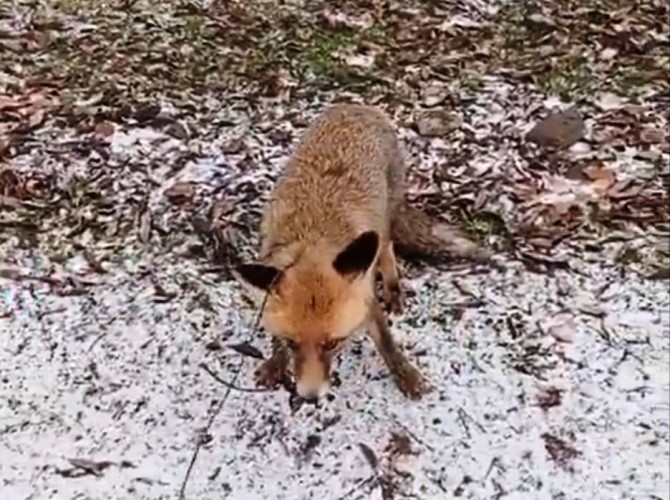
(353, 118)
(348, 136)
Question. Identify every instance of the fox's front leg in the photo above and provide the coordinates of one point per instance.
(274, 370)
(388, 267)
(408, 378)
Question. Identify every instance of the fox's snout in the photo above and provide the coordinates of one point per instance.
(312, 372)
(311, 390)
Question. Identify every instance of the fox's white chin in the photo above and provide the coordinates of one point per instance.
(310, 391)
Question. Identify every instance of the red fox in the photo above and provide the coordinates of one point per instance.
(326, 231)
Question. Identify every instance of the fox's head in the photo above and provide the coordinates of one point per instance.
(315, 303)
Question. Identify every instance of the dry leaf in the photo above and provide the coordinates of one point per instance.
(104, 129)
(434, 94)
(549, 397)
(560, 451)
(369, 455)
(652, 135)
(180, 192)
(246, 349)
(602, 178)
(437, 122)
(562, 327)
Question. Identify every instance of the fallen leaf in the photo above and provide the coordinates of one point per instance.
(180, 192)
(233, 147)
(338, 19)
(562, 327)
(310, 444)
(145, 225)
(434, 94)
(608, 101)
(549, 397)
(652, 135)
(602, 178)
(437, 123)
(147, 112)
(369, 455)
(399, 444)
(90, 466)
(592, 310)
(214, 345)
(662, 273)
(246, 349)
(608, 54)
(104, 129)
(365, 61)
(560, 451)
(177, 130)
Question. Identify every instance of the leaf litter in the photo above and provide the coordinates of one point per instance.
(137, 148)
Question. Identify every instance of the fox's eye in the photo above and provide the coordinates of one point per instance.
(329, 345)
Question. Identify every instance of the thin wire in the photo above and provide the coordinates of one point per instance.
(202, 438)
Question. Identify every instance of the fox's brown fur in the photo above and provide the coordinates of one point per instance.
(326, 232)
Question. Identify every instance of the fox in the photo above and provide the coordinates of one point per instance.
(326, 233)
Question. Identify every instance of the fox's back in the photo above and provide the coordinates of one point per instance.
(344, 177)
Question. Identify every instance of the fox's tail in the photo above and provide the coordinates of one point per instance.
(416, 234)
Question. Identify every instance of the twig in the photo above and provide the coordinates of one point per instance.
(96, 340)
(407, 431)
(228, 384)
(359, 486)
(202, 438)
(413, 435)
(463, 416)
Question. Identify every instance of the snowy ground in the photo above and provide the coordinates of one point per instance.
(551, 373)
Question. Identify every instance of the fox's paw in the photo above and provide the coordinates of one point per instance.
(410, 381)
(272, 373)
(394, 298)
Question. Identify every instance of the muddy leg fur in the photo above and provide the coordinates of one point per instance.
(274, 370)
(388, 267)
(407, 378)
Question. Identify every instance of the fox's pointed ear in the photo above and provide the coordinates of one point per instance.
(258, 276)
(358, 256)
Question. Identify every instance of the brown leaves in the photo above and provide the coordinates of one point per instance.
(23, 112)
(23, 186)
(633, 126)
(594, 192)
(560, 451)
(549, 397)
(400, 444)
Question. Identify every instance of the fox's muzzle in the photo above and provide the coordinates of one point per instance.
(312, 371)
